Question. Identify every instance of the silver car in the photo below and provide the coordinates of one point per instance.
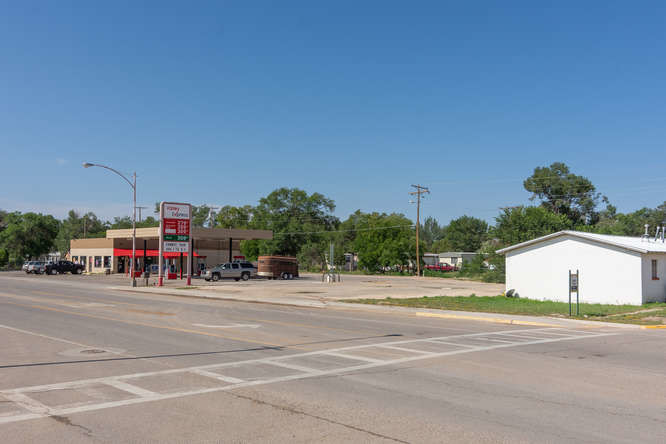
(231, 270)
(36, 267)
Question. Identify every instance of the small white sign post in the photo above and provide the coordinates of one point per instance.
(175, 234)
(573, 288)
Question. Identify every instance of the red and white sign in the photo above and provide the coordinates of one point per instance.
(175, 232)
(176, 211)
(176, 227)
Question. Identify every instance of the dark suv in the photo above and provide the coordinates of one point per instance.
(61, 267)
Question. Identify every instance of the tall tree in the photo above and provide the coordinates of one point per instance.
(466, 233)
(520, 224)
(125, 222)
(202, 215)
(381, 240)
(563, 192)
(430, 232)
(631, 224)
(78, 227)
(28, 235)
(234, 217)
(295, 217)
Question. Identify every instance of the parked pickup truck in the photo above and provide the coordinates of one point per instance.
(231, 270)
(61, 267)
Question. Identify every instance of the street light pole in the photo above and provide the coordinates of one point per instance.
(134, 231)
(132, 184)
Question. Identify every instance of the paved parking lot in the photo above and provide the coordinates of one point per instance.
(310, 285)
(81, 363)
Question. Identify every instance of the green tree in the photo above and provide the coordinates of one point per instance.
(201, 215)
(3, 220)
(431, 232)
(563, 192)
(441, 246)
(520, 224)
(234, 217)
(631, 224)
(28, 235)
(466, 233)
(381, 240)
(125, 222)
(4, 258)
(295, 218)
(78, 227)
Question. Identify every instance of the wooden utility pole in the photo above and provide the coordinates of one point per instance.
(419, 190)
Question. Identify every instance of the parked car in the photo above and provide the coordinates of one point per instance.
(231, 270)
(36, 267)
(62, 267)
(278, 267)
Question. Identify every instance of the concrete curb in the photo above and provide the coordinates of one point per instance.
(496, 318)
(487, 319)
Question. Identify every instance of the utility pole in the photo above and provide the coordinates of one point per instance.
(140, 208)
(419, 191)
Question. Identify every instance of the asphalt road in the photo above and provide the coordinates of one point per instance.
(81, 363)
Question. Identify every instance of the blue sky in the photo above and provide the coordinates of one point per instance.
(222, 102)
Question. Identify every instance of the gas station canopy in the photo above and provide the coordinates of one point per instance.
(197, 233)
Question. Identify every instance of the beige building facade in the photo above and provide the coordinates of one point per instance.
(113, 253)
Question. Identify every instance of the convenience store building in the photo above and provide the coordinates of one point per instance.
(113, 253)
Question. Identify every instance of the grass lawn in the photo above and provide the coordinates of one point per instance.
(634, 314)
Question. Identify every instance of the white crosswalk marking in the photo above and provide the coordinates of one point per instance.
(229, 379)
(133, 389)
(450, 345)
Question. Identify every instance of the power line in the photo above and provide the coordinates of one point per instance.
(344, 231)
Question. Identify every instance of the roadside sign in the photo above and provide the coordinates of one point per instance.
(573, 288)
(175, 233)
(573, 283)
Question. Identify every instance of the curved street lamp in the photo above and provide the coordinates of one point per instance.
(133, 185)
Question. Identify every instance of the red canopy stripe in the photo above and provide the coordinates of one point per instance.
(153, 253)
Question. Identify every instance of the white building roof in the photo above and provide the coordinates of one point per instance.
(638, 244)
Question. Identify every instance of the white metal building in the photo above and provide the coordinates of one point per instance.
(613, 269)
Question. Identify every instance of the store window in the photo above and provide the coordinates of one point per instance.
(75, 259)
(107, 261)
(83, 260)
(98, 261)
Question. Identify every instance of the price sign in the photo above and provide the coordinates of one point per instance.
(175, 227)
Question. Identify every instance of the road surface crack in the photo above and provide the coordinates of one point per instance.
(320, 418)
(66, 421)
